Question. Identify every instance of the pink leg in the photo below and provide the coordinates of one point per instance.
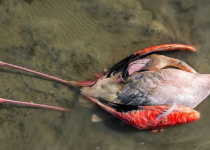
(71, 83)
(97, 74)
(2, 100)
(82, 83)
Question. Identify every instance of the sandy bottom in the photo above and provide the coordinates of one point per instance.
(71, 38)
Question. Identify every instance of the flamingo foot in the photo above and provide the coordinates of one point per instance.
(157, 130)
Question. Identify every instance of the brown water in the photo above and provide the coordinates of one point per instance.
(69, 39)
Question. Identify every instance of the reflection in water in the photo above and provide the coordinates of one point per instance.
(69, 39)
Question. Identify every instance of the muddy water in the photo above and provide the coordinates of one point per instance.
(69, 39)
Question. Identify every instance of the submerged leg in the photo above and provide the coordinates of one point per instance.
(2, 100)
(71, 83)
(157, 130)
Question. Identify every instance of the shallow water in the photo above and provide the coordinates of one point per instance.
(69, 39)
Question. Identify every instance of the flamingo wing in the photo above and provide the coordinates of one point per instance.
(124, 63)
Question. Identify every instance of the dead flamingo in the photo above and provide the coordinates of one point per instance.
(142, 111)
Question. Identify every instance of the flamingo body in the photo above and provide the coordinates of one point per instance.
(165, 87)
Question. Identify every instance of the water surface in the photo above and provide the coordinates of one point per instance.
(71, 38)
